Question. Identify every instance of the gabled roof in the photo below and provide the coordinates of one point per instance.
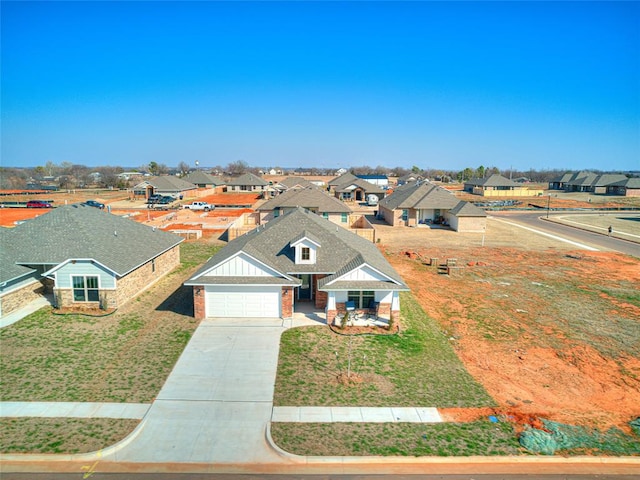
(368, 187)
(628, 182)
(494, 180)
(310, 197)
(81, 232)
(203, 178)
(247, 179)
(466, 209)
(169, 183)
(338, 248)
(342, 179)
(292, 182)
(420, 196)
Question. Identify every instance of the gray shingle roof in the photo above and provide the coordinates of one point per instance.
(368, 187)
(628, 182)
(494, 180)
(339, 251)
(247, 179)
(466, 209)
(342, 179)
(420, 196)
(81, 232)
(9, 269)
(169, 183)
(311, 198)
(203, 178)
(291, 182)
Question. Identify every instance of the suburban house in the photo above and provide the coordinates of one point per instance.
(86, 257)
(629, 187)
(426, 204)
(299, 257)
(498, 186)
(165, 185)
(310, 198)
(348, 187)
(247, 183)
(586, 182)
(294, 183)
(409, 178)
(204, 180)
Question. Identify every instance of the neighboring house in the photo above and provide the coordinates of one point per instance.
(309, 198)
(348, 187)
(629, 187)
(294, 183)
(379, 180)
(416, 204)
(409, 178)
(247, 183)
(498, 186)
(165, 185)
(586, 182)
(203, 179)
(299, 257)
(86, 257)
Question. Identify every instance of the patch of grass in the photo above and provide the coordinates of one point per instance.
(397, 439)
(124, 357)
(416, 367)
(61, 435)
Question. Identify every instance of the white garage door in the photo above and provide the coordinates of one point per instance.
(243, 302)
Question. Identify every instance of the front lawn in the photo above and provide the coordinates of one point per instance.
(416, 367)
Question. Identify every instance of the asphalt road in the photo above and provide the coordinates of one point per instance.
(537, 220)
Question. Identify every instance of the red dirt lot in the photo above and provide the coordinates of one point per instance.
(548, 333)
(9, 216)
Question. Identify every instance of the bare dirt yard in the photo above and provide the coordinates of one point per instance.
(549, 331)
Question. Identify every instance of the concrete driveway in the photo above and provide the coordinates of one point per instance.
(216, 404)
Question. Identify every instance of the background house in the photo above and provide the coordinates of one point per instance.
(165, 185)
(629, 187)
(348, 187)
(585, 181)
(205, 180)
(86, 257)
(298, 257)
(498, 186)
(247, 183)
(309, 198)
(415, 204)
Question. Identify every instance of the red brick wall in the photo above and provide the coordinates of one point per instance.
(198, 302)
(287, 302)
(320, 297)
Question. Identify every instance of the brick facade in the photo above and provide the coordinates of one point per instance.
(199, 311)
(286, 309)
(320, 297)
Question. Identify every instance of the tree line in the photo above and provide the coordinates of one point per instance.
(68, 175)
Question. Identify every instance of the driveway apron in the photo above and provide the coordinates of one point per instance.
(217, 401)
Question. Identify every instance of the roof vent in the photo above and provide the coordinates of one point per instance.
(115, 233)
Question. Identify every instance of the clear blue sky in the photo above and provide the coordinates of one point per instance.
(446, 85)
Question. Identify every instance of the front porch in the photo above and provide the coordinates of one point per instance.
(305, 313)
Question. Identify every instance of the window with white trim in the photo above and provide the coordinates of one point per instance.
(361, 298)
(85, 288)
(305, 254)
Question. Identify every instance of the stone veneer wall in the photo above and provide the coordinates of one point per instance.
(128, 286)
(383, 309)
(143, 277)
(17, 299)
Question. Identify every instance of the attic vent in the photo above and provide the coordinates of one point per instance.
(115, 233)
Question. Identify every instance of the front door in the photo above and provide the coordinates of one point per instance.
(304, 290)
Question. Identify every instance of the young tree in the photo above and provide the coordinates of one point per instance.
(183, 168)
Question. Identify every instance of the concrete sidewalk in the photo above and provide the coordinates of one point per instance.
(74, 409)
(19, 314)
(356, 414)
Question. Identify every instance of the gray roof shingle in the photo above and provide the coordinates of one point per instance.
(310, 198)
(247, 179)
(339, 250)
(82, 232)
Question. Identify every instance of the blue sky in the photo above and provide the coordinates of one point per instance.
(445, 85)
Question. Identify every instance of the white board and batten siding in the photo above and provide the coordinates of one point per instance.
(241, 266)
(363, 273)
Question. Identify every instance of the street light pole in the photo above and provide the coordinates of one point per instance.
(548, 204)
